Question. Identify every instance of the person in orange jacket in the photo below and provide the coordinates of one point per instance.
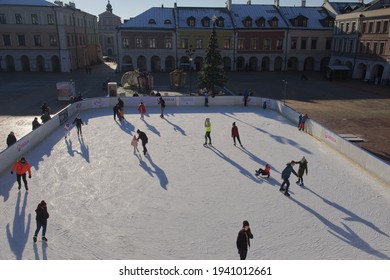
(142, 110)
(22, 167)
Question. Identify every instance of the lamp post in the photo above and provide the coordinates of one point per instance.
(190, 52)
(285, 91)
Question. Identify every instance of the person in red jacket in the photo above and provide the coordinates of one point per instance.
(142, 110)
(21, 167)
(235, 134)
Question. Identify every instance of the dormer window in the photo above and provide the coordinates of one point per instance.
(300, 21)
(167, 21)
(191, 21)
(274, 22)
(152, 21)
(327, 22)
(220, 22)
(247, 22)
(206, 22)
(260, 22)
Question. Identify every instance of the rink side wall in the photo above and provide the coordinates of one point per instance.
(365, 160)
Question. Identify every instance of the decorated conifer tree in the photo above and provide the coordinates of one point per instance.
(212, 72)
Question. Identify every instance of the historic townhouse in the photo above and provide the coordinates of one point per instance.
(362, 42)
(108, 22)
(37, 35)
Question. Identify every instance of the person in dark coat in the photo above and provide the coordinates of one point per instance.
(41, 218)
(79, 122)
(45, 108)
(11, 139)
(286, 173)
(144, 140)
(115, 109)
(301, 170)
(35, 123)
(243, 240)
(161, 102)
(235, 134)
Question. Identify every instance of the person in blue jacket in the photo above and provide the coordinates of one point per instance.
(286, 173)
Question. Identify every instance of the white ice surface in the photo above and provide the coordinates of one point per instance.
(185, 201)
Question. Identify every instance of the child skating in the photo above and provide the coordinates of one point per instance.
(264, 172)
(301, 170)
(134, 143)
(142, 110)
(67, 130)
(207, 125)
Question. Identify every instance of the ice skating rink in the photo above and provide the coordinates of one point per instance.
(185, 201)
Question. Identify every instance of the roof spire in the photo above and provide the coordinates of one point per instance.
(109, 7)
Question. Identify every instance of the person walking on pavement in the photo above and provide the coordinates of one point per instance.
(144, 140)
(243, 240)
(41, 218)
(207, 125)
(161, 102)
(286, 173)
(21, 167)
(11, 139)
(301, 170)
(79, 122)
(235, 134)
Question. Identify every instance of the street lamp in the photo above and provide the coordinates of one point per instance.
(285, 91)
(190, 52)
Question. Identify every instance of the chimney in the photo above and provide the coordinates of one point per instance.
(326, 1)
(60, 3)
(249, 2)
(276, 3)
(303, 3)
(229, 4)
(162, 6)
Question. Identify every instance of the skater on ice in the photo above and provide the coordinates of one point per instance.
(161, 102)
(301, 170)
(144, 140)
(21, 167)
(235, 135)
(41, 218)
(243, 240)
(67, 130)
(120, 106)
(207, 125)
(286, 173)
(264, 172)
(142, 110)
(134, 143)
(79, 122)
(115, 110)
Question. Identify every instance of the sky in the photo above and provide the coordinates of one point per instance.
(130, 8)
(186, 201)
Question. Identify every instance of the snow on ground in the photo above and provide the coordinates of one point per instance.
(186, 201)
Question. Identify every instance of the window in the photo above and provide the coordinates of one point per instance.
(7, 40)
(18, 19)
(279, 44)
(254, 44)
(240, 44)
(347, 27)
(3, 20)
(367, 48)
(303, 43)
(260, 22)
(152, 21)
(382, 48)
(364, 28)
(226, 44)
(342, 27)
(274, 22)
(34, 19)
(152, 43)
(53, 40)
(370, 27)
(375, 48)
(108, 40)
(266, 44)
(184, 43)
(385, 26)
(300, 21)
(167, 21)
(313, 45)
(199, 44)
(191, 21)
(168, 43)
(206, 22)
(328, 44)
(139, 43)
(125, 43)
(21, 40)
(50, 19)
(293, 43)
(353, 29)
(247, 22)
(220, 22)
(378, 27)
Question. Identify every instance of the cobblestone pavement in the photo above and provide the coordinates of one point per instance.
(349, 107)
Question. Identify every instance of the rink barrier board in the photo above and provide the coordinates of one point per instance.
(365, 160)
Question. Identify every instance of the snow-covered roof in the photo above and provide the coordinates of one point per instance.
(241, 11)
(27, 2)
(314, 16)
(154, 18)
(199, 13)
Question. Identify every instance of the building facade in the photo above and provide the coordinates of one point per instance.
(361, 42)
(41, 36)
(107, 24)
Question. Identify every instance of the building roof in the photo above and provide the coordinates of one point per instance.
(199, 13)
(241, 11)
(154, 18)
(345, 7)
(27, 3)
(314, 16)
